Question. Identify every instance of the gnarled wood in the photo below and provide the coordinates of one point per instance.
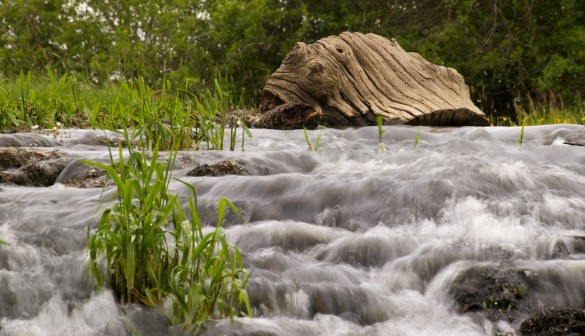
(348, 80)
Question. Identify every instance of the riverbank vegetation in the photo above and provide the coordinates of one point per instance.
(196, 118)
(193, 119)
(511, 53)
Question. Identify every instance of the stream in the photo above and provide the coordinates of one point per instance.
(466, 233)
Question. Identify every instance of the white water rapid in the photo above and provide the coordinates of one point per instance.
(347, 240)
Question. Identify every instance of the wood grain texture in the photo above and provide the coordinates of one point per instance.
(348, 80)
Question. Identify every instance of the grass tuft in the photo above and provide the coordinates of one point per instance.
(313, 147)
(147, 249)
(417, 137)
(380, 123)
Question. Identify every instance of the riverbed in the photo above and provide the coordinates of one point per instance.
(464, 231)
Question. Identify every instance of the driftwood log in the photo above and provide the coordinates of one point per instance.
(350, 79)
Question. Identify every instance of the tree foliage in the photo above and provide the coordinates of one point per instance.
(507, 50)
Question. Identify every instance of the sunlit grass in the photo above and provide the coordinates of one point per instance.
(547, 111)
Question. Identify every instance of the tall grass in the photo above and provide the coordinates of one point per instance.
(550, 110)
(544, 111)
(200, 120)
(43, 101)
(147, 249)
(217, 111)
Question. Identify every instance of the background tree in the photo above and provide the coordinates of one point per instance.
(507, 51)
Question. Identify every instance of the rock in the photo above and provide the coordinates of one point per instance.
(569, 248)
(498, 293)
(26, 167)
(44, 173)
(576, 138)
(567, 136)
(227, 167)
(80, 175)
(350, 79)
(556, 321)
(25, 140)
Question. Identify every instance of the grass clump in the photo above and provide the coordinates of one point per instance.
(148, 250)
(313, 147)
(215, 113)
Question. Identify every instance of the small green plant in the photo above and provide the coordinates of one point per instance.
(8, 119)
(520, 138)
(245, 129)
(314, 146)
(380, 122)
(417, 138)
(23, 85)
(155, 118)
(61, 105)
(152, 250)
(206, 283)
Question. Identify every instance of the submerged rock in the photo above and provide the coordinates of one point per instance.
(567, 136)
(556, 321)
(80, 175)
(25, 140)
(227, 167)
(26, 167)
(498, 293)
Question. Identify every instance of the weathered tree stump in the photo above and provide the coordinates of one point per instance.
(348, 80)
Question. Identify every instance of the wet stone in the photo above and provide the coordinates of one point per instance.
(26, 167)
(556, 321)
(13, 158)
(25, 140)
(80, 175)
(223, 168)
(497, 293)
(578, 244)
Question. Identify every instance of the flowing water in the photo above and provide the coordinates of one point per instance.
(347, 240)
